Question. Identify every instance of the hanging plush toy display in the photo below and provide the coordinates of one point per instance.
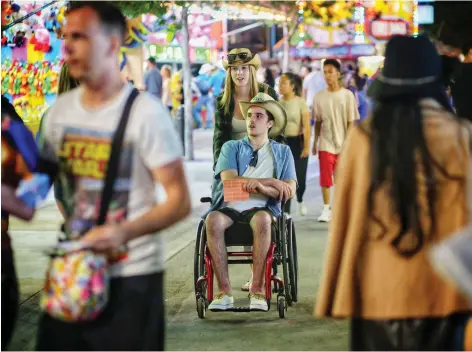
(9, 12)
(35, 79)
(137, 33)
(41, 40)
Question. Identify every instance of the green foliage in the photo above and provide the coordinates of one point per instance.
(156, 8)
(136, 8)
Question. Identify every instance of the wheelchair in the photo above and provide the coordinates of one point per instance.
(282, 252)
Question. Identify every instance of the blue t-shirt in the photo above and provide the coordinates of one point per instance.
(237, 154)
(153, 82)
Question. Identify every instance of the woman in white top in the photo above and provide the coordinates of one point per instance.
(166, 73)
(297, 132)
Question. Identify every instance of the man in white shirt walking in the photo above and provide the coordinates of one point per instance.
(334, 111)
(76, 135)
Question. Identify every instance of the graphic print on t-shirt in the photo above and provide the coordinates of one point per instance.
(84, 157)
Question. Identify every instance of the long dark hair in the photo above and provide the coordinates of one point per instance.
(269, 78)
(296, 82)
(396, 142)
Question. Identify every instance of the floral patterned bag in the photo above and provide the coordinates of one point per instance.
(77, 281)
(76, 287)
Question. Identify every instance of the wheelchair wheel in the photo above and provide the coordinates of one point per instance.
(201, 308)
(285, 260)
(281, 306)
(199, 256)
(293, 260)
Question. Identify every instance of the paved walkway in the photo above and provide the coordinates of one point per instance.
(30, 240)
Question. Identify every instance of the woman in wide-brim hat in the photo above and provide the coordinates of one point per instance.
(240, 84)
(401, 187)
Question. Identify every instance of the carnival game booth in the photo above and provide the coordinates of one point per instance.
(31, 56)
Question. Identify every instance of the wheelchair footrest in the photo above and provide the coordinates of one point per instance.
(237, 309)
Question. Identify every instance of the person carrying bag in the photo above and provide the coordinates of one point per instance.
(77, 282)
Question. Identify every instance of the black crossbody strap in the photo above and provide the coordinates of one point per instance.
(114, 159)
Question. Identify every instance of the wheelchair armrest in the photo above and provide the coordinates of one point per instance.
(205, 200)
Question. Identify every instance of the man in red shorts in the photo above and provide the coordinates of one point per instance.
(334, 111)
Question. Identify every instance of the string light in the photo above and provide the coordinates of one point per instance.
(301, 10)
(415, 18)
(359, 18)
(246, 12)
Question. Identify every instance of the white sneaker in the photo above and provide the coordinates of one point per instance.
(302, 208)
(258, 301)
(325, 215)
(221, 301)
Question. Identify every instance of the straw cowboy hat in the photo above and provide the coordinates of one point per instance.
(242, 57)
(412, 65)
(268, 103)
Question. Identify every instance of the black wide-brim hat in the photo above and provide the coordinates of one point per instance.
(412, 65)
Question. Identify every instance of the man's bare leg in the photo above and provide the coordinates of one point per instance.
(326, 192)
(261, 228)
(216, 225)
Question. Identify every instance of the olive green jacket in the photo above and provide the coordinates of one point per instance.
(223, 122)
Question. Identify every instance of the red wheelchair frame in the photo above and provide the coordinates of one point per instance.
(282, 251)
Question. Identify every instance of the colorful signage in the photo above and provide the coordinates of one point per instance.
(170, 53)
(384, 28)
(384, 19)
(338, 52)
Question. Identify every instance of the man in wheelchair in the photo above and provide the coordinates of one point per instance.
(268, 171)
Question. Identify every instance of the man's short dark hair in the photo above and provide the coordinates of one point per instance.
(270, 118)
(111, 17)
(332, 62)
(152, 60)
(308, 68)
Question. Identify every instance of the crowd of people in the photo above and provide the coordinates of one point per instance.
(396, 150)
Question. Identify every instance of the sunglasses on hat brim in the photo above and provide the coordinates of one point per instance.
(242, 56)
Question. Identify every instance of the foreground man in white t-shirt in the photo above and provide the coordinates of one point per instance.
(269, 169)
(334, 111)
(76, 134)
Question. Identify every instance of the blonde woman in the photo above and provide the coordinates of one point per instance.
(166, 73)
(240, 85)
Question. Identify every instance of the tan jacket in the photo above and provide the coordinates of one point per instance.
(364, 276)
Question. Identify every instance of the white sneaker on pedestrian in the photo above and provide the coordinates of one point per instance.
(221, 301)
(302, 208)
(258, 301)
(325, 214)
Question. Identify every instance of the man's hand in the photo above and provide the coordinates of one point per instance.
(284, 189)
(305, 153)
(314, 151)
(107, 238)
(253, 186)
